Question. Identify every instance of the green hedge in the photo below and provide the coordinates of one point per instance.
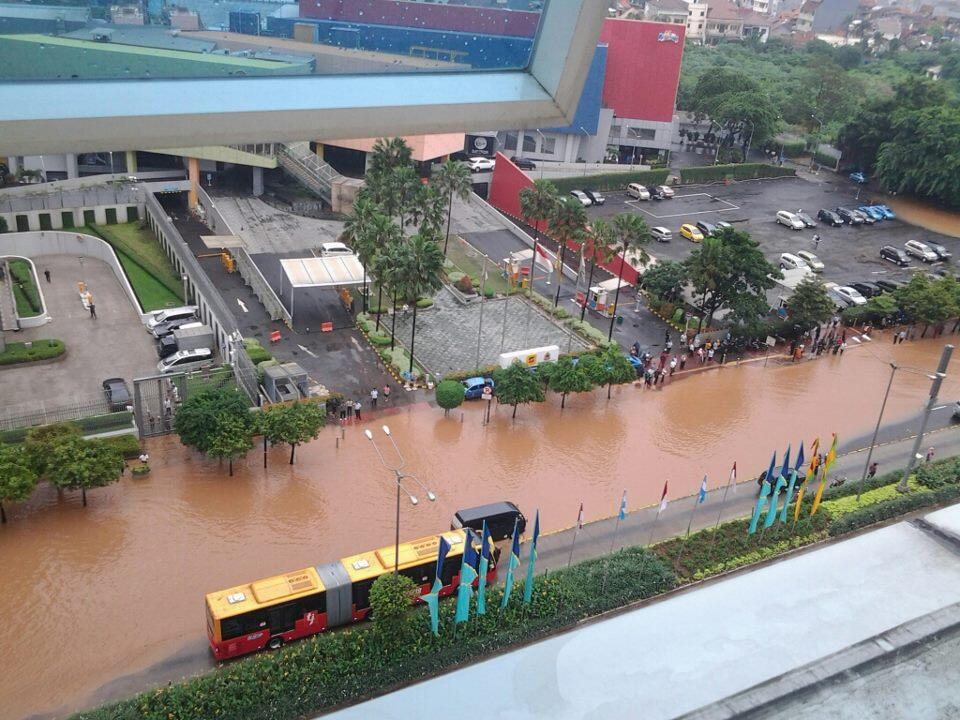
(18, 352)
(744, 171)
(884, 511)
(128, 445)
(936, 475)
(485, 371)
(256, 351)
(612, 180)
(25, 289)
(320, 673)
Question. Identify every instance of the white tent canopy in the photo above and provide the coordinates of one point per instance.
(330, 271)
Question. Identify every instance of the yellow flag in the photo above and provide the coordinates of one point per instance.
(832, 455)
(823, 484)
(811, 473)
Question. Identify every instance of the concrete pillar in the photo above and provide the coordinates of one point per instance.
(257, 181)
(193, 171)
(72, 170)
(131, 157)
(320, 150)
(13, 164)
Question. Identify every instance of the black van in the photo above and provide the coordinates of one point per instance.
(499, 516)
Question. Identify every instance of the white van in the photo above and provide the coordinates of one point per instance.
(792, 262)
(638, 191)
(334, 248)
(787, 218)
(177, 313)
(186, 361)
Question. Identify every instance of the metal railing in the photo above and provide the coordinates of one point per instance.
(301, 162)
(36, 414)
(264, 149)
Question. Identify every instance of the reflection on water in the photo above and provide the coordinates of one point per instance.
(112, 588)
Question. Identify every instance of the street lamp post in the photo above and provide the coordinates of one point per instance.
(893, 371)
(816, 140)
(934, 390)
(584, 154)
(396, 469)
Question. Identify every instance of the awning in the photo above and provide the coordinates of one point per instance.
(331, 271)
(611, 285)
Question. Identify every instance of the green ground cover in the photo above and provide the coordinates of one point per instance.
(25, 292)
(18, 352)
(459, 253)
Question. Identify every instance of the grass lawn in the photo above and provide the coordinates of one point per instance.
(215, 379)
(150, 273)
(18, 352)
(21, 270)
(459, 253)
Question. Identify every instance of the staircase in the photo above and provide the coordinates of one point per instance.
(8, 314)
(301, 162)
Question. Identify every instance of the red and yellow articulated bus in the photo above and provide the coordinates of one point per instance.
(276, 610)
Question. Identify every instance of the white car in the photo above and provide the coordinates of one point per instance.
(638, 191)
(481, 164)
(849, 296)
(790, 220)
(661, 234)
(666, 190)
(582, 197)
(812, 261)
(329, 249)
(791, 262)
(920, 250)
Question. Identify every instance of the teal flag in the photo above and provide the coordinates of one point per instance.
(432, 598)
(758, 507)
(486, 552)
(786, 504)
(774, 497)
(512, 565)
(528, 586)
(468, 573)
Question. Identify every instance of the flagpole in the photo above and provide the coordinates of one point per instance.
(683, 543)
(713, 536)
(573, 544)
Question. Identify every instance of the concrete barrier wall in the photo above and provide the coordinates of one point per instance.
(56, 216)
(50, 242)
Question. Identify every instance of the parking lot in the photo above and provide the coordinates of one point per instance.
(849, 254)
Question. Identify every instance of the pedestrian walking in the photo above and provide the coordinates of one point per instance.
(710, 355)
(663, 376)
(700, 355)
(374, 395)
(903, 335)
(843, 346)
(151, 420)
(386, 395)
(723, 355)
(930, 454)
(93, 311)
(816, 241)
(683, 361)
(46, 274)
(356, 410)
(873, 470)
(673, 365)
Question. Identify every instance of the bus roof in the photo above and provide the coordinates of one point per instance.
(416, 552)
(264, 593)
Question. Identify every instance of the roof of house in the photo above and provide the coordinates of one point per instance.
(155, 37)
(724, 10)
(669, 5)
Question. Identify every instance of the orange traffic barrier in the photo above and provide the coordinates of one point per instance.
(275, 336)
(326, 327)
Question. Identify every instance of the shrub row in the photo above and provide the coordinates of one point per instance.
(399, 360)
(743, 171)
(22, 275)
(256, 351)
(611, 180)
(379, 338)
(87, 426)
(328, 670)
(884, 511)
(583, 328)
(18, 352)
(848, 504)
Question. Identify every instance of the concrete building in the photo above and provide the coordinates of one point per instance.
(351, 157)
(127, 15)
(667, 11)
(720, 20)
(50, 19)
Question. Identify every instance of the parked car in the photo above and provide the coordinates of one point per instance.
(812, 261)
(481, 164)
(523, 163)
(186, 360)
(887, 285)
(871, 211)
(722, 225)
(473, 387)
(894, 255)
(707, 229)
(582, 197)
(868, 290)
(164, 316)
(849, 216)
(864, 218)
(657, 194)
(859, 177)
(941, 251)
(666, 191)
(661, 234)
(789, 261)
(691, 233)
(638, 191)
(596, 197)
(784, 217)
(849, 296)
(805, 219)
(166, 328)
(331, 249)
(117, 394)
(920, 250)
(887, 212)
(830, 217)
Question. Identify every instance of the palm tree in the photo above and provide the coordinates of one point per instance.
(428, 213)
(568, 223)
(630, 231)
(419, 275)
(405, 188)
(598, 249)
(537, 204)
(385, 263)
(452, 180)
(357, 234)
(387, 155)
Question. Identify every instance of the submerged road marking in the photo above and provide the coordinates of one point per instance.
(308, 352)
(242, 306)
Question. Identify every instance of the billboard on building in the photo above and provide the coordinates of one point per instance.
(480, 145)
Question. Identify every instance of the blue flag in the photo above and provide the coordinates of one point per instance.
(528, 587)
(774, 497)
(512, 565)
(703, 491)
(468, 573)
(623, 506)
(432, 598)
(789, 498)
(762, 498)
(785, 467)
(800, 459)
(486, 552)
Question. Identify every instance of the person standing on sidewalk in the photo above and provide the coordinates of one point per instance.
(673, 365)
(873, 470)
(386, 394)
(46, 274)
(930, 454)
(356, 410)
(93, 311)
(373, 398)
(683, 360)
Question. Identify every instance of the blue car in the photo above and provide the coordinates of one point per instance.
(872, 212)
(473, 387)
(858, 177)
(887, 212)
(634, 360)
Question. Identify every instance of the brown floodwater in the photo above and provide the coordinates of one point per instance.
(92, 594)
(926, 215)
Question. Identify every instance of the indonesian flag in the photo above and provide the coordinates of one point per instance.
(543, 260)
(663, 498)
(580, 518)
(733, 479)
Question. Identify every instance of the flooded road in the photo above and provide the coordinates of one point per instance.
(926, 215)
(92, 594)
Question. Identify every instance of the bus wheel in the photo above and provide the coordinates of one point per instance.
(275, 643)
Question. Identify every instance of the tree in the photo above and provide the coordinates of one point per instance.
(40, 443)
(568, 223)
(17, 478)
(537, 204)
(630, 232)
(84, 464)
(293, 424)
(599, 250)
(389, 242)
(927, 301)
(428, 211)
(610, 368)
(387, 155)
(665, 280)
(230, 437)
(390, 599)
(197, 418)
(450, 395)
(726, 267)
(360, 234)
(390, 270)
(517, 385)
(419, 276)
(452, 179)
(810, 305)
(405, 189)
(568, 377)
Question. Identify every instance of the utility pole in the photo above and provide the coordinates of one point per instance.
(876, 430)
(934, 390)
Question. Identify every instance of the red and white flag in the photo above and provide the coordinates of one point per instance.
(733, 479)
(663, 498)
(543, 260)
(580, 518)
